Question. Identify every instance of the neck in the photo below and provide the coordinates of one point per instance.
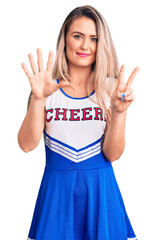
(80, 77)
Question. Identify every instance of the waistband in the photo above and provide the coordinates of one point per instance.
(56, 161)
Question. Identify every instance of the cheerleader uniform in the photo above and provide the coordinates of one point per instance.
(79, 198)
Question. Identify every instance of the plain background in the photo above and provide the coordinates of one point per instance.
(27, 25)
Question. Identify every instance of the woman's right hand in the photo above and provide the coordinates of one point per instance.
(41, 81)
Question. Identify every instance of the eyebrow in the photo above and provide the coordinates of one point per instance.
(93, 35)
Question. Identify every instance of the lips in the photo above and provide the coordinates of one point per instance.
(83, 54)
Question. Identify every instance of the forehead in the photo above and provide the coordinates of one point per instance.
(83, 24)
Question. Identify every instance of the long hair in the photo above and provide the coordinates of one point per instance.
(105, 67)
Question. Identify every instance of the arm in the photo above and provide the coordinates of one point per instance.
(114, 141)
(33, 125)
(42, 86)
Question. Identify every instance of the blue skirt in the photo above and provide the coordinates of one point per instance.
(79, 201)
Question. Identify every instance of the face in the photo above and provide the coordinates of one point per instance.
(81, 42)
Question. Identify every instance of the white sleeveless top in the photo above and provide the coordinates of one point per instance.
(74, 126)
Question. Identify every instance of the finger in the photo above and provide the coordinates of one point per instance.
(121, 94)
(61, 84)
(121, 75)
(26, 70)
(33, 65)
(128, 92)
(50, 61)
(130, 98)
(124, 95)
(40, 60)
(132, 77)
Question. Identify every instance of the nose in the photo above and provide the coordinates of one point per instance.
(84, 44)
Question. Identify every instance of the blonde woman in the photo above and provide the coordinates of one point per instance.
(80, 104)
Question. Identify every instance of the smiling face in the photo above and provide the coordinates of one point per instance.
(81, 43)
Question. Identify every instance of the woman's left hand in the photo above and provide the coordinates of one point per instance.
(122, 96)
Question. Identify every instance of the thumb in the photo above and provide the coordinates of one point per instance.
(61, 84)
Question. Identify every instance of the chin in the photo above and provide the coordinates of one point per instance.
(83, 64)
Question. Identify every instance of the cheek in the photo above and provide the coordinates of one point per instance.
(71, 45)
(70, 48)
(94, 51)
(94, 48)
(69, 51)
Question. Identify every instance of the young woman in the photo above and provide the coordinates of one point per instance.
(80, 103)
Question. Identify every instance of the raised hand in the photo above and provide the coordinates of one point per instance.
(123, 96)
(41, 82)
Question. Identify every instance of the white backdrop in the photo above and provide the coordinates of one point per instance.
(27, 25)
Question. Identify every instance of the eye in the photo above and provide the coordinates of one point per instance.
(77, 36)
(94, 39)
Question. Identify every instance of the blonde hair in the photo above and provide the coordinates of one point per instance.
(105, 68)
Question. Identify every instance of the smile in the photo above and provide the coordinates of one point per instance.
(83, 54)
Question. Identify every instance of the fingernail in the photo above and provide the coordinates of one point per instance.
(123, 95)
(122, 99)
